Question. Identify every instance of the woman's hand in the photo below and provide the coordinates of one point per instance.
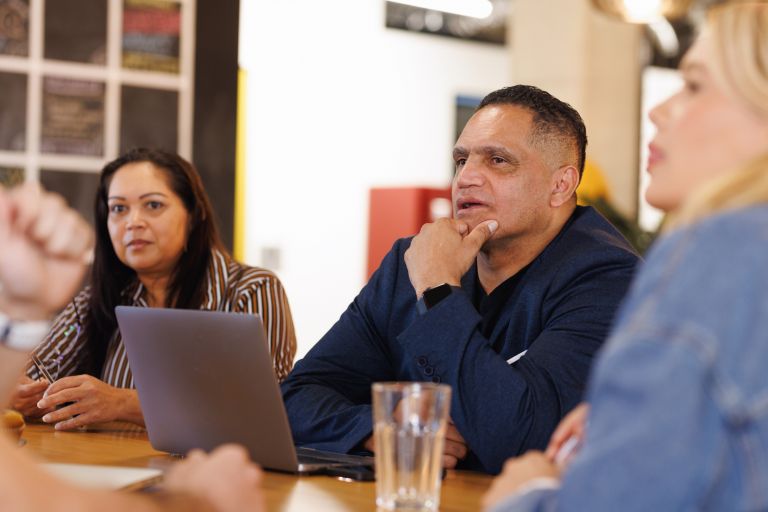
(93, 402)
(26, 396)
(226, 478)
(518, 472)
(521, 470)
(572, 426)
(45, 247)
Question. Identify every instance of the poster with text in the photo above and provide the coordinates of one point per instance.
(73, 117)
(14, 27)
(151, 35)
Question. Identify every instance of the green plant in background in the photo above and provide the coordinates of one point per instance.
(637, 236)
(593, 191)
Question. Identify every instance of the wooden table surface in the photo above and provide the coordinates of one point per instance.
(120, 444)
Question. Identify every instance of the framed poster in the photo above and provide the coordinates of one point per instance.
(14, 27)
(73, 117)
(151, 35)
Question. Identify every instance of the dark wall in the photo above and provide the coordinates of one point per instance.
(215, 106)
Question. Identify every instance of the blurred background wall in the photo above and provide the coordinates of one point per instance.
(337, 104)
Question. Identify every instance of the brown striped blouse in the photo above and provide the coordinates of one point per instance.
(231, 287)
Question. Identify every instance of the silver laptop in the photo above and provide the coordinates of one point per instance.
(205, 378)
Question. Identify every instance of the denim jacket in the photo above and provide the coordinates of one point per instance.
(679, 397)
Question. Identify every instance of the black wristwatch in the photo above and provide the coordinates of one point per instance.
(432, 296)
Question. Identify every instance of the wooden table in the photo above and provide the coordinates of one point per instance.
(120, 444)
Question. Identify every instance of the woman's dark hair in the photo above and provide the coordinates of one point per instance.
(110, 278)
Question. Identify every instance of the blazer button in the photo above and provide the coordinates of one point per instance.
(429, 371)
(421, 361)
(436, 379)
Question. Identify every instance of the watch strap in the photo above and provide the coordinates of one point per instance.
(432, 296)
(22, 335)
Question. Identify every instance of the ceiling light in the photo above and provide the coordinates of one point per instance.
(472, 8)
(643, 11)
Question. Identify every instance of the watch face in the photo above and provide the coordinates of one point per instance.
(434, 295)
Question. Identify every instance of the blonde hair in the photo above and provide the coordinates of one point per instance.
(739, 30)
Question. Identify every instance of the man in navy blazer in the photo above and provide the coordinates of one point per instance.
(507, 302)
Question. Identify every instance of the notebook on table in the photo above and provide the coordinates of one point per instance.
(105, 477)
(205, 378)
(12, 361)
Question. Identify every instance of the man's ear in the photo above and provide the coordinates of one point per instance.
(564, 183)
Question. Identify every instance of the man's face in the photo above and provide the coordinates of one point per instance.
(500, 175)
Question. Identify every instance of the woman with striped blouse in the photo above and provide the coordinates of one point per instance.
(156, 246)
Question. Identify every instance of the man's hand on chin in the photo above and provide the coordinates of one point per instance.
(443, 252)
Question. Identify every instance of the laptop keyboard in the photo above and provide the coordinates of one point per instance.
(312, 456)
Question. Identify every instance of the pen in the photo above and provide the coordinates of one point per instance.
(567, 451)
(41, 369)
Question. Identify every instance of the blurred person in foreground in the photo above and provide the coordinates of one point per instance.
(157, 245)
(507, 302)
(678, 415)
(43, 251)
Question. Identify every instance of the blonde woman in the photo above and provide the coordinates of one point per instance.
(679, 398)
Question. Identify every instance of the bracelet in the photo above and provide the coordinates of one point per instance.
(22, 335)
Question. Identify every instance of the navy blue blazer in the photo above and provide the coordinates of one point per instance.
(560, 312)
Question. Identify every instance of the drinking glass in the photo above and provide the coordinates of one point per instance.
(409, 422)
